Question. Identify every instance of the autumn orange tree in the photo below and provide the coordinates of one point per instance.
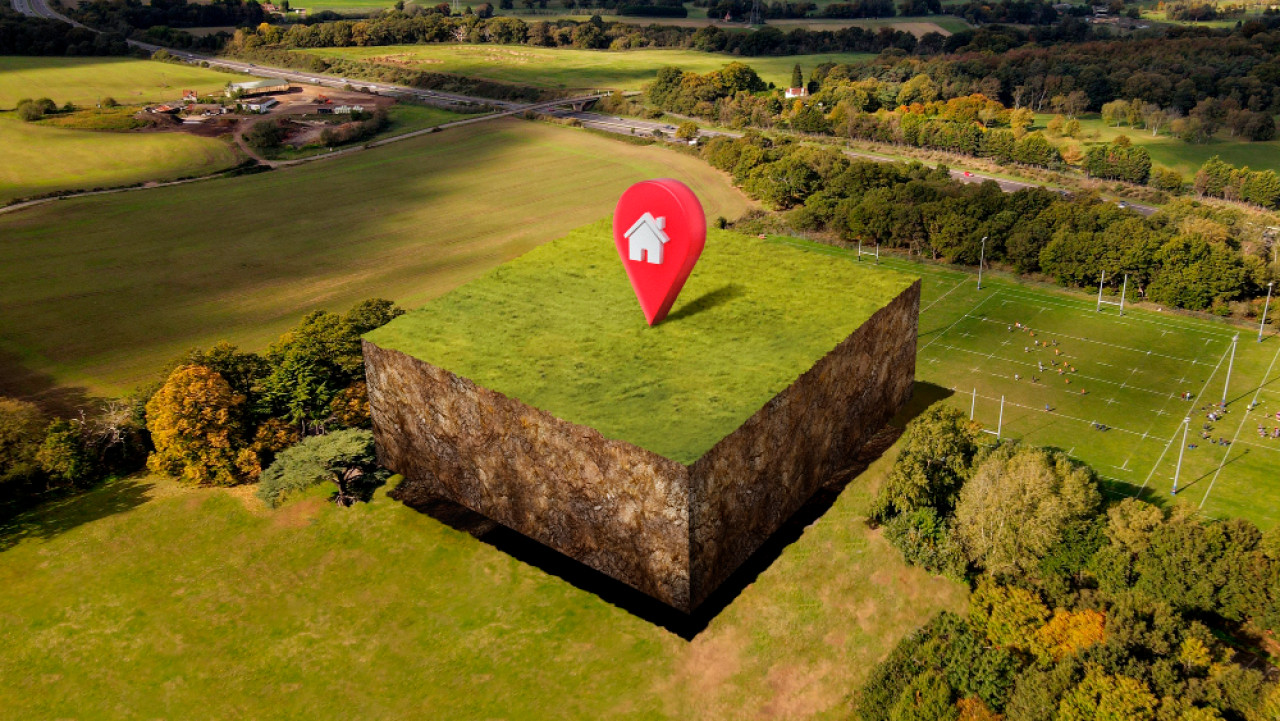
(192, 424)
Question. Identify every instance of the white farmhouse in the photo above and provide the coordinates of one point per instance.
(646, 238)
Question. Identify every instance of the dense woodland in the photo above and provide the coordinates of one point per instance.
(900, 103)
(1083, 608)
(291, 417)
(413, 25)
(24, 35)
(1188, 255)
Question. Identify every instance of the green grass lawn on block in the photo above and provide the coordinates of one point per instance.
(560, 329)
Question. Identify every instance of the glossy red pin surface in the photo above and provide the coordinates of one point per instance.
(660, 230)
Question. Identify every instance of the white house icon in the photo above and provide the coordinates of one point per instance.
(646, 238)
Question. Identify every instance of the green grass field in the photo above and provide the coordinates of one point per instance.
(36, 158)
(569, 68)
(918, 25)
(85, 81)
(1132, 369)
(1168, 151)
(572, 341)
(142, 599)
(99, 293)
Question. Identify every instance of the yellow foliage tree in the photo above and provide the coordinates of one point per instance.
(191, 420)
(1068, 632)
(1009, 616)
(973, 709)
(1194, 654)
(1104, 697)
(350, 408)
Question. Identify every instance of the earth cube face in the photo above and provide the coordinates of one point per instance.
(664, 457)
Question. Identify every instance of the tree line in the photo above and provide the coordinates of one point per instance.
(922, 112)
(415, 25)
(1187, 256)
(26, 35)
(291, 417)
(1081, 609)
(1175, 69)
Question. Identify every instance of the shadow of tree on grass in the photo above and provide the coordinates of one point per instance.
(47, 517)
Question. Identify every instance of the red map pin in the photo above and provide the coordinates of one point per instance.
(660, 230)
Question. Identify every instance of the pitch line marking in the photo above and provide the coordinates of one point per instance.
(957, 322)
(1112, 345)
(944, 295)
(1243, 419)
(1083, 307)
(1095, 379)
(1174, 436)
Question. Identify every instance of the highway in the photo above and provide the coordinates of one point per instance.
(621, 126)
(40, 8)
(632, 126)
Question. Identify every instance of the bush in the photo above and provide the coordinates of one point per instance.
(937, 451)
(344, 458)
(33, 110)
(1166, 179)
(63, 456)
(21, 432)
(264, 135)
(926, 540)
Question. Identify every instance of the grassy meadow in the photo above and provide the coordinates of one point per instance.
(1124, 372)
(41, 158)
(143, 599)
(572, 69)
(1170, 152)
(752, 318)
(35, 159)
(101, 292)
(86, 81)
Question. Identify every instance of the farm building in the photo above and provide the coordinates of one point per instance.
(261, 106)
(258, 87)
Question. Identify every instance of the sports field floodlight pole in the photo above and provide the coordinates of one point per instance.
(1230, 364)
(982, 256)
(1186, 426)
(1000, 423)
(1263, 325)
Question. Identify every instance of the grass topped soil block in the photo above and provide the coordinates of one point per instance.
(538, 396)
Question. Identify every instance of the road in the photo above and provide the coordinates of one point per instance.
(632, 126)
(627, 126)
(40, 8)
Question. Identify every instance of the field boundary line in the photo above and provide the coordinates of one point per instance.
(993, 356)
(944, 295)
(1052, 413)
(835, 251)
(1128, 319)
(1082, 339)
(953, 325)
(1174, 437)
